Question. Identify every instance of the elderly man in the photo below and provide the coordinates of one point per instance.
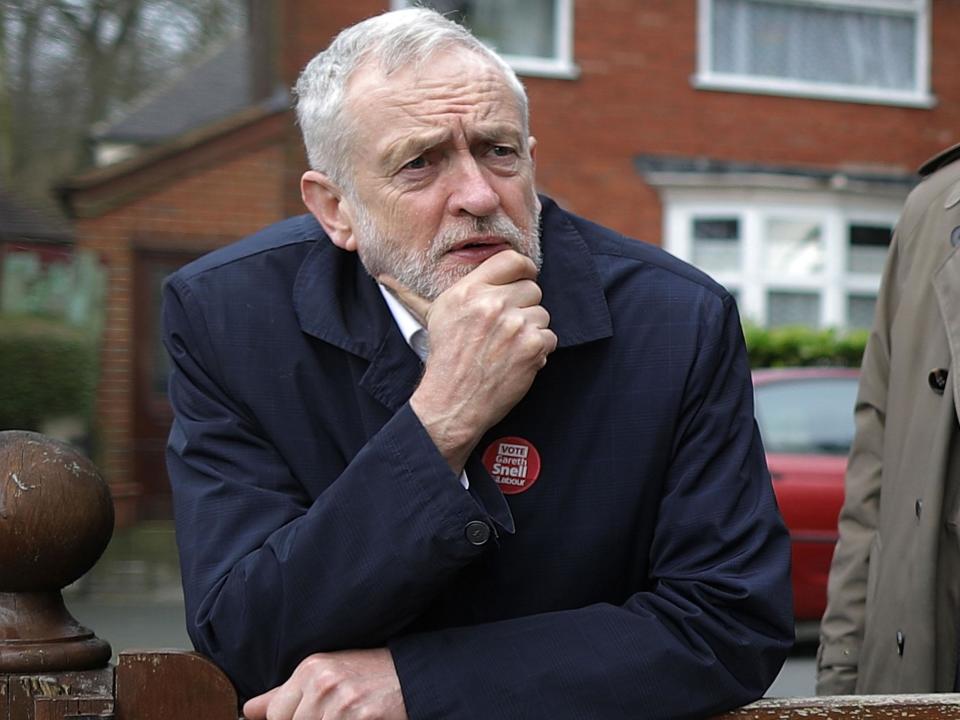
(444, 450)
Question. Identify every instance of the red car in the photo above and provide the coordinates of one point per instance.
(806, 421)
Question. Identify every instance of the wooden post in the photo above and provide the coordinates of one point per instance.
(56, 519)
(172, 685)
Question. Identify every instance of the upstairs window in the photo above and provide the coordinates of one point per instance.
(534, 36)
(857, 50)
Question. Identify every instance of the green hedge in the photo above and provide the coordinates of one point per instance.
(802, 346)
(48, 370)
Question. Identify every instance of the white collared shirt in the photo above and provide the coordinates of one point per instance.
(416, 336)
(411, 329)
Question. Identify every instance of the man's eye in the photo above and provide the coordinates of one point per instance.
(418, 163)
(502, 151)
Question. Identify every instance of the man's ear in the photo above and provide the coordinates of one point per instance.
(532, 144)
(329, 206)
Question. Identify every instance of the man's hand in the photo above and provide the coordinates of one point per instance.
(488, 340)
(335, 686)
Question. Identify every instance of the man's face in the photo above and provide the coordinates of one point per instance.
(442, 173)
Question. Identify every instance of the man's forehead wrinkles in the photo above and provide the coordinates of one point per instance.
(486, 80)
(471, 101)
(458, 106)
(430, 88)
(413, 112)
(456, 111)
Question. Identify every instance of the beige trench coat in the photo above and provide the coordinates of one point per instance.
(891, 619)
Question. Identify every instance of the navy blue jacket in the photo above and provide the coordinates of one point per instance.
(644, 574)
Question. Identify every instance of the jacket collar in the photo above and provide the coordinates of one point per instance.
(573, 293)
(337, 302)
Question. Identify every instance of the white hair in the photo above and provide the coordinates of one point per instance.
(394, 40)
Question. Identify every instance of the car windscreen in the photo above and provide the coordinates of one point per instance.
(810, 415)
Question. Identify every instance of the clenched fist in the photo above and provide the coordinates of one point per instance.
(346, 685)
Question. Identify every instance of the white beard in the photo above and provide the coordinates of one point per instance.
(424, 272)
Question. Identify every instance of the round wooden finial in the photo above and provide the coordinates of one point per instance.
(56, 518)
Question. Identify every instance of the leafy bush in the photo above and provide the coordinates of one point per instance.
(798, 346)
(48, 370)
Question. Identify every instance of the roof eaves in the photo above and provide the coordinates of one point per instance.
(663, 171)
(277, 103)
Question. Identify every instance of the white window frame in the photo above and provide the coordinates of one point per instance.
(708, 79)
(752, 208)
(561, 66)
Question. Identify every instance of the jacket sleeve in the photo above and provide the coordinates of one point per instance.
(842, 626)
(270, 574)
(710, 626)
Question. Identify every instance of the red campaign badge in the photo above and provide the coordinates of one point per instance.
(513, 463)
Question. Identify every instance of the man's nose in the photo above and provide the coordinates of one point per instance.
(472, 192)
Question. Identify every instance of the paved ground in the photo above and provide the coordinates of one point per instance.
(132, 599)
(798, 677)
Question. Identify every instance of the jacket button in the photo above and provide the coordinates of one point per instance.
(900, 640)
(938, 380)
(477, 532)
(918, 507)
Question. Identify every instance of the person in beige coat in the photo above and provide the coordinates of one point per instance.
(891, 619)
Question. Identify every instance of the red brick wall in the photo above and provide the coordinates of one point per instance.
(198, 206)
(634, 96)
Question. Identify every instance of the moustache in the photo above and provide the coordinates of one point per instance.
(499, 227)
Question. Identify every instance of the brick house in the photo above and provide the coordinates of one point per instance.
(770, 142)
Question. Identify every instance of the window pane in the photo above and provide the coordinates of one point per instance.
(868, 248)
(863, 47)
(807, 416)
(716, 243)
(512, 27)
(793, 308)
(860, 309)
(793, 247)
